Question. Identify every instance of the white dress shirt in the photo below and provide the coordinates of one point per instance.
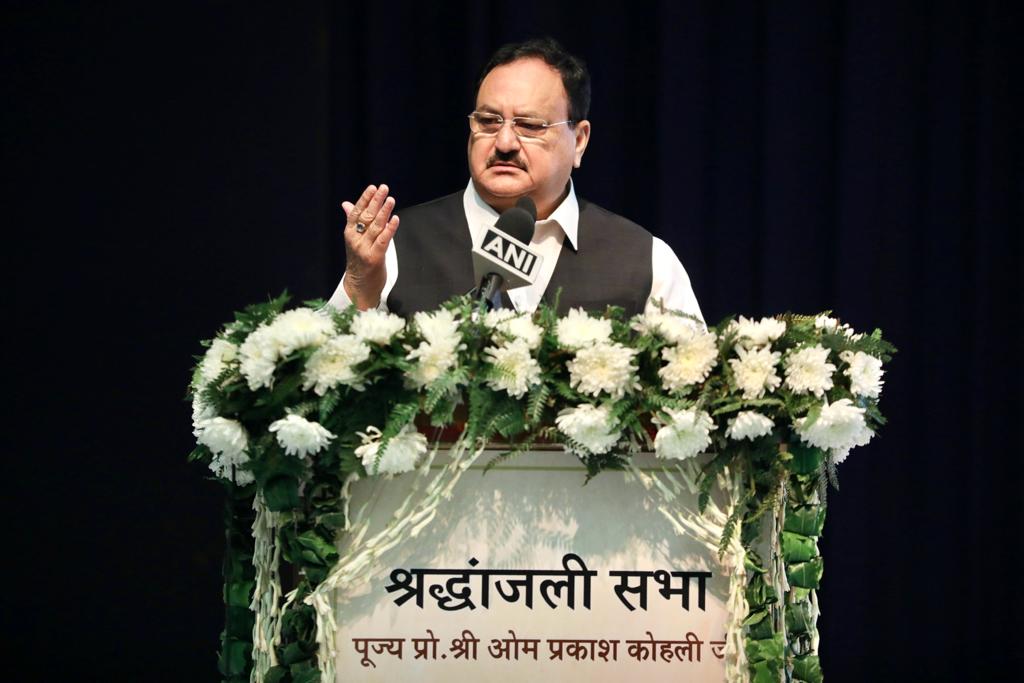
(669, 283)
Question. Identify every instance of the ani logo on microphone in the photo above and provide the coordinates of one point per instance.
(512, 253)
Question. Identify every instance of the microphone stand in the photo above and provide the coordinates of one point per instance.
(489, 291)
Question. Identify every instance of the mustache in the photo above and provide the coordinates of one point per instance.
(512, 159)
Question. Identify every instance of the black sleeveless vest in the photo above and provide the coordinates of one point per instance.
(612, 265)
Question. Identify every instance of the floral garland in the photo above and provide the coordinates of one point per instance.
(287, 410)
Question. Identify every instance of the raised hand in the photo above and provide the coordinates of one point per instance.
(369, 227)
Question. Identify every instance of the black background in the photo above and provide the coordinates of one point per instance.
(165, 164)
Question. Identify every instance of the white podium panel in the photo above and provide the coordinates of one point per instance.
(496, 587)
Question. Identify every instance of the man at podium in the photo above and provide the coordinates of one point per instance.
(527, 132)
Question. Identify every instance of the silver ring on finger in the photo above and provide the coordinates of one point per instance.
(360, 228)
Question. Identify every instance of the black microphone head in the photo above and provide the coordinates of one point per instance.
(517, 222)
(526, 204)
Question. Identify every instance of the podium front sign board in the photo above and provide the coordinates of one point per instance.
(528, 574)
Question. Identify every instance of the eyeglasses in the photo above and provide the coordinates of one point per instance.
(484, 123)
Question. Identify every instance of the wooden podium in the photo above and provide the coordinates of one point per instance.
(449, 572)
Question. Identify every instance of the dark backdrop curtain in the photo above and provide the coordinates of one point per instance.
(166, 165)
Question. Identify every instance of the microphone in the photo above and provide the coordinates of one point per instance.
(527, 205)
(504, 259)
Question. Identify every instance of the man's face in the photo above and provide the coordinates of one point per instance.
(505, 167)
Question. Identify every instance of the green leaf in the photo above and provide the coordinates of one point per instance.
(805, 574)
(761, 630)
(328, 402)
(769, 650)
(517, 449)
(324, 552)
(599, 462)
(563, 389)
(444, 412)
(729, 529)
(443, 388)
(807, 669)
(201, 453)
(332, 520)
(315, 574)
(282, 391)
(806, 520)
(799, 595)
(281, 493)
(813, 413)
(728, 408)
(702, 501)
(401, 415)
(833, 474)
(239, 593)
(308, 676)
(806, 459)
(276, 674)
(797, 548)
(238, 622)
(235, 657)
(293, 653)
(798, 618)
(537, 401)
(764, 673)
(755, 617)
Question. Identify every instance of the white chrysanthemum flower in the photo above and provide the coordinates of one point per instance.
(515, 325)
(201, 412)
(299, 436)
(672, 327)
(230, 467)
(577, 329)
(754, 371)
(258, 355)
(518, 370)
(299, 328)
(333, 364)
(523, 327)
(690, 361)
(751, 333)
(432, 361)
(588, 425)
(686, 434)
(828, 324)
(226, 439)
(749, 424)
(378, 327)
(603, 367)
(824, 322)
(439, 327)
(840, 426)
(496, 316)
(400, 456)
(268, 343)
(808, 370)
(223, 436)
(216, 358)
(439, 352)
(865, 373)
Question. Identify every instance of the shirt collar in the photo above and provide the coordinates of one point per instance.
(566, 215)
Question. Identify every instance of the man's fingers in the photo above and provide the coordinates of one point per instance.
(380, 245)
(372, 209)
(369, 213)
(360, 205)
(381, 219)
